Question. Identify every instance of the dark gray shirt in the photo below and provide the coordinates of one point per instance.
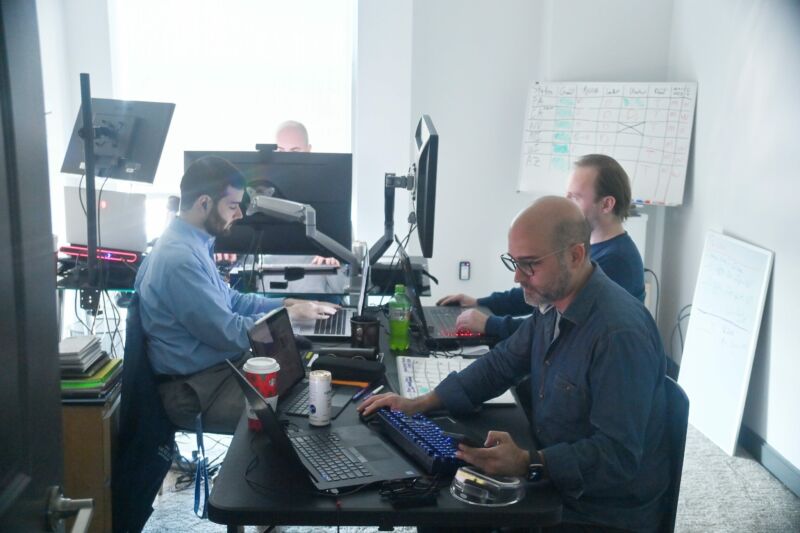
(598, 405)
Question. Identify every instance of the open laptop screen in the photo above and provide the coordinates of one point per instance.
(272, 336)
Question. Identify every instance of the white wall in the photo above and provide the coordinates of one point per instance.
(744, 165)
(381, 110)
(472, 63)
(72, 41)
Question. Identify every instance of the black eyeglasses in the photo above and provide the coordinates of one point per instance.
(527, 267)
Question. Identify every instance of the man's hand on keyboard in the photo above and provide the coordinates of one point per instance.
(463, 300)
(309, 309)
(472, 320)
(427, 402)
(500, 456)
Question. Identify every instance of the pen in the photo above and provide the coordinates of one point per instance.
(374, 392)
(363, 393)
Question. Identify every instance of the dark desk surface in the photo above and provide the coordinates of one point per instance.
(256, 486)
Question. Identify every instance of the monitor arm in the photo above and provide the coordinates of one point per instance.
(390, 183)
(303, 214)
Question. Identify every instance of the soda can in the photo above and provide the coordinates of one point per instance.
(319, 398)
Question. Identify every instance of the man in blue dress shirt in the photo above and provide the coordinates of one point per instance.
(600, 187)
(597, 367)
(192, 319)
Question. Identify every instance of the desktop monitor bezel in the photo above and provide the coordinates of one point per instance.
(321, 180)
(134, 156)
(423, 197)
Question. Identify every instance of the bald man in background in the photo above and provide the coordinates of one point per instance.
(292, 136)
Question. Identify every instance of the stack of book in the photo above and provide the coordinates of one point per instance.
(80, 356)
(87, 373)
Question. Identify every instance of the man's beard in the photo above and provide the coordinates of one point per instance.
(215, 225)
(555, 292)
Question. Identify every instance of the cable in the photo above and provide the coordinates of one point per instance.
(104, 297)
(80, 198)
(77, 316)
(682, 315)
(658, 292)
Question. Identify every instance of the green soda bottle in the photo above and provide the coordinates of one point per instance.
(399, 317)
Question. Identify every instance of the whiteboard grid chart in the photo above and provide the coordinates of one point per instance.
(647, 127)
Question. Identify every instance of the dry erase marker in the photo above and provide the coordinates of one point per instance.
(375, 391)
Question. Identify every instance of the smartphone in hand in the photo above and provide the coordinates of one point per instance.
(461, 438)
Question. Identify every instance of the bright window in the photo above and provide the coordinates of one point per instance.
(235, 69)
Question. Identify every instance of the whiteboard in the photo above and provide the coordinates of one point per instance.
(722, 334)
(647, 127)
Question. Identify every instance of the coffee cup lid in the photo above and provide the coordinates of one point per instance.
(261, 365)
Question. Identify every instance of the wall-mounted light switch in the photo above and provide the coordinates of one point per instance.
(463, 270)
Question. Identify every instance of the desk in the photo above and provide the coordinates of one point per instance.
(257, 487)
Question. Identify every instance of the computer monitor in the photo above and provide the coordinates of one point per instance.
(423, 196)
(129, 138)
(323, 181)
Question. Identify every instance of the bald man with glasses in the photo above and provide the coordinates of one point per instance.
(597, 365)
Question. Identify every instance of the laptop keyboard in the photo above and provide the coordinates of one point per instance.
(333, 462)
(333, 325)
(442, 321)
(299, 404)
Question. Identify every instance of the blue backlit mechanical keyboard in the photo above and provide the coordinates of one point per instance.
(422, 439)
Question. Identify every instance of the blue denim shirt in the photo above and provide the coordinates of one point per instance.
(193, 320)
(598, 402)
(618, 257)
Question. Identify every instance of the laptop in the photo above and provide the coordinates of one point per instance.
(272, 336)
(438, 322)
(337, 327)
(334, 458)
(120, 219)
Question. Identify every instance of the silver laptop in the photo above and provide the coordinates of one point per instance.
(337, 327)
(120, 219)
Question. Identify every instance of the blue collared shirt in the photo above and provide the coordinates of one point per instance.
(193, 320)
(598, 402)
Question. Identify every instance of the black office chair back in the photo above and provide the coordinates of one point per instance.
(677, 424)
(146, 436)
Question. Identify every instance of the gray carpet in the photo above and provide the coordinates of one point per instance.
(718, 494)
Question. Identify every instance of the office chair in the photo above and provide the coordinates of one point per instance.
(146, 435)
(677, 425)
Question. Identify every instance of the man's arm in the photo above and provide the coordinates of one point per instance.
(510, 302)
(502, 326)
(491, 375)
(203, 309)
(252, 304)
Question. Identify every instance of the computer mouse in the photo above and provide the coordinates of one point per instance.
(367, 418)
(451, 303)
(303, 343)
